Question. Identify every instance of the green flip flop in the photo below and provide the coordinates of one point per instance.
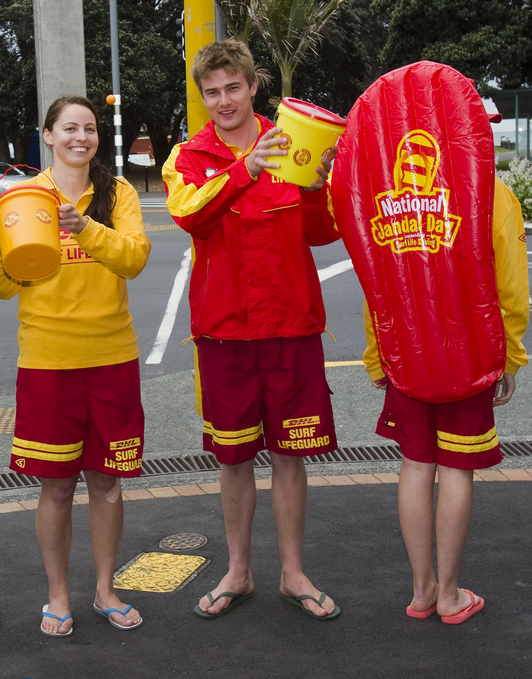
(237, 599)
(296, 600)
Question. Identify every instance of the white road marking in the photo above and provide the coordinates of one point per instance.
(334, 270)
(153, 202)
(167, 324)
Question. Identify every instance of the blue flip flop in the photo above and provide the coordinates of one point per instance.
(237, 599)
(117, 610)
(57, 635)
(296, 600)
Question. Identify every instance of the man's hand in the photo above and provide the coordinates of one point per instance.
(70, 219)
(505, 390)
(256, 161)
(323, 169)
(380, 384)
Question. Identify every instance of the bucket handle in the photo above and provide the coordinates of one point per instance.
(56, 190)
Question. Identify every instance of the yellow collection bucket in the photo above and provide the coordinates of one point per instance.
(29, 232)
(309, 131)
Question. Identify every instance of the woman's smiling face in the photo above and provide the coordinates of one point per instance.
(74, 136)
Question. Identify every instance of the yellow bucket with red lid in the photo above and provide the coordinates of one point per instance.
(29, 232)
(310, 131)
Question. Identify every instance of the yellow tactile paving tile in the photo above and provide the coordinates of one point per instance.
(158, 572)
(266, 484)
(7, 420)
(159, 227)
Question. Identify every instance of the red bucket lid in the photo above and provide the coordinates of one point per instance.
(313, 111)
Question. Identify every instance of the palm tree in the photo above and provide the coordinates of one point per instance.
(237, 18)
(291, 29)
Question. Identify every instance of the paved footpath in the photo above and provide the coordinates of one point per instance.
(353, 551)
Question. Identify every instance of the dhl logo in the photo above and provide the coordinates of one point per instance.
(415, 215)
(128, 443)
(301, 421)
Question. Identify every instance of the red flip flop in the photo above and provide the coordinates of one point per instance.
(465, 613)
(420, 614)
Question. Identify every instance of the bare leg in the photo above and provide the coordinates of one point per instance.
(289, 495)
(416, 487)
(455, 501)
(54, 533)
(239, 499)
(105, 525)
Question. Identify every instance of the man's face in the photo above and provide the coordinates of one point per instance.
(228, 99)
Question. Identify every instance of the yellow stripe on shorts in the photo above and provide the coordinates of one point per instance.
(232, 438)
(47, 451)
(468, 444)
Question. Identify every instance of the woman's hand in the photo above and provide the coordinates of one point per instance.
(70, 219)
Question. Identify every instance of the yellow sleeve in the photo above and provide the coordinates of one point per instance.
(511, 268)
(199, 202)
(124, 249)
(8, 286)
(371, 354)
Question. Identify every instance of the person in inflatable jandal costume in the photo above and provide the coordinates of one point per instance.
(439, 247)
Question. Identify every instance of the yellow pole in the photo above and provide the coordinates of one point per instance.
(199, 31)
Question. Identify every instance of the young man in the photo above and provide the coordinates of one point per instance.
(453, 438)
(257, 315)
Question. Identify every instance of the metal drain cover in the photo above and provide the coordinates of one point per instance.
(183, 541)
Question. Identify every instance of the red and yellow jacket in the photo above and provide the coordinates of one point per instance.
(254, 276)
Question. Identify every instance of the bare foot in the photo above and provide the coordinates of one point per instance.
(61, 608)
(299, 584)
(424, 600)
(242, 584)
(132, 617)
(460, 602)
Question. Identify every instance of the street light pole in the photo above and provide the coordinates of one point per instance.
(119, 158)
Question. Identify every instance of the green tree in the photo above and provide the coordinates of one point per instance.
(151, 69)
(18, 84)
(152, 73)
(237, 18)
(487, 40)
(347, 62)
(292, 29)
(340, 69)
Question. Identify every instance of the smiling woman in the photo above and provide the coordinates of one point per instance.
(78, 386)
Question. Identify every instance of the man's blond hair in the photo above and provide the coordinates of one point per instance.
(234, 57)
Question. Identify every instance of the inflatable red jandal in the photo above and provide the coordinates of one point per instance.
(412, 192)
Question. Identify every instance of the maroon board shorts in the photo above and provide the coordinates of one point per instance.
(269, 393)
(85, 418)
(460, 435)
